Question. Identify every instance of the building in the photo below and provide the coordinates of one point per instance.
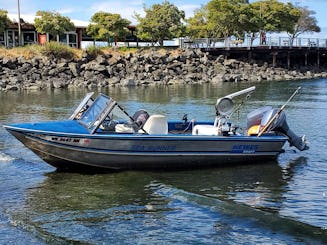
(9, 38)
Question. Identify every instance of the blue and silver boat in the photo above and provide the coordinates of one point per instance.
(100, 134)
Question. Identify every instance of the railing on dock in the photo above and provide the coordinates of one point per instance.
(280, 42)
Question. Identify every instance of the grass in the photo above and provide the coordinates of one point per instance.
(58, 50)
(50, 49)
(28, 52)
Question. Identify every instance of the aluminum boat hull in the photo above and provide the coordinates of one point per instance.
(81, 151)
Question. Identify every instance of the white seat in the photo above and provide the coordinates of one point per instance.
(122, 128)
(156, 124)
(205, 130)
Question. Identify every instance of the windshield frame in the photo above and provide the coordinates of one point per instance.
(83, 105)
(97, 112)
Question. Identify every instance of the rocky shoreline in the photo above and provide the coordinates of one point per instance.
(142, 68)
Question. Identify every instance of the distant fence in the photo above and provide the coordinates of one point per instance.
(270, 42)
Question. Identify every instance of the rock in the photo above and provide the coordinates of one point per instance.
(74, 68)
(3, 84)
(145, 67)
(88, 75)
(101, 60)
(204, 60)
(231, 63)
(220, 59)
(12, 87)
(9, 63)
(288, 77)
(114, 81)
(128, 82)
(57, 83)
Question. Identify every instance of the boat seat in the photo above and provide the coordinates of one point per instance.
(156, 124)
(205, 130)
(140, 117)
(124, 128)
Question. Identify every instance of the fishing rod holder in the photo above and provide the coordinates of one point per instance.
(225, 108)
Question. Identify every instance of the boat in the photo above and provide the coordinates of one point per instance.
(101, 134)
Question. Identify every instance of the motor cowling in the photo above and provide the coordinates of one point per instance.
(280, 125)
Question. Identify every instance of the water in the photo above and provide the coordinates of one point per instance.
(281, 202)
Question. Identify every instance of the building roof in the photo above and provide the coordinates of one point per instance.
(30, 19)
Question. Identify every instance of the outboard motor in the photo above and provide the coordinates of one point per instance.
(280, 125)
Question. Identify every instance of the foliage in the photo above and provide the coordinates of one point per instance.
(4, 20)
(161, 21)
(52, 23)
(269, 16)
(52, 49)
(275, 16)
(17, 52)
(57, 50)
(127, 50)
(197, 25)
(223, 17)
(306, 23)
(94, 51)
(219, 18)
(250, 21)
(107, 25)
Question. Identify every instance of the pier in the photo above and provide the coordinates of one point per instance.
(279, 51)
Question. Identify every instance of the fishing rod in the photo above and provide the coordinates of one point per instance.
(278, 113)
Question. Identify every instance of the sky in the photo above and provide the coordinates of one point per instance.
(83, 10)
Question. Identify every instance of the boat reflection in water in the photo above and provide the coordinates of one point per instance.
(72, 207)
(100, 134)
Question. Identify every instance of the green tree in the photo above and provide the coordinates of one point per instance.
(161, 21)
(4, 20)
(268, 16)
(223, 17)
(197, 26)
(249, 22)
(105, 26)
(52, 23)
(275, 16)
(306, 23)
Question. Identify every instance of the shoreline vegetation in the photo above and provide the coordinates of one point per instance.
(57, 66)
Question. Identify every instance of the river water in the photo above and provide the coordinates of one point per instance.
(281, 202)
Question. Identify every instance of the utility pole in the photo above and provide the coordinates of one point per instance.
(19, 26)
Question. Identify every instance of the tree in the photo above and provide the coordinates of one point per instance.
(4, 20)
(249, 23)
(306, 23)
(52, 23)
(161, 21)
(105, 26)
(197, 26)
(271, 16)
(274, 16)
(223, 17)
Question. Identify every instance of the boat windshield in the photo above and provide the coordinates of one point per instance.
(102, 110)
(82, 107)
(94, 112)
